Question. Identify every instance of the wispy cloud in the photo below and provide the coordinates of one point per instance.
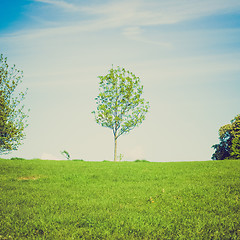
(125, 15)
(137, 34)
(60, 4)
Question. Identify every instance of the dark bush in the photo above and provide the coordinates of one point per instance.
(143, 160)
(17, 158)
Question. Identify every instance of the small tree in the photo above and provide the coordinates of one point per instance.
(66, 154)
(12, 116)
(120, 105)
(229, 136)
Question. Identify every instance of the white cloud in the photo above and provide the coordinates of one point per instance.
(146, 13)
(135, 153)
(60, 4)
(135, 33)
(49, 156)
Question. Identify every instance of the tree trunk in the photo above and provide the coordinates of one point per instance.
(115, 149)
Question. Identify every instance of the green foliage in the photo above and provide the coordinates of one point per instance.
(236, 148)
(120, 157)
(222, 150)
(196, 200)
(12, 117)
(120, 105)
(229, 141)
(66, 154)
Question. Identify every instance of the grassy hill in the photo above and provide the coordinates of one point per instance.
(126, 200)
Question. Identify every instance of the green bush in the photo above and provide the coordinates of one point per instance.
(143, 160)
(17, 158)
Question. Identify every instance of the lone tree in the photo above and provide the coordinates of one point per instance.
(229, 136)
(120, 105)
(12, 116)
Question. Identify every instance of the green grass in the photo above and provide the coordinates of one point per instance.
(125, 200)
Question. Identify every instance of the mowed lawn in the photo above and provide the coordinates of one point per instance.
(125, 200)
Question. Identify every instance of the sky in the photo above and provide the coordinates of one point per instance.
(186, 53)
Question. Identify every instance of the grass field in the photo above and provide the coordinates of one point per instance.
(125, 200)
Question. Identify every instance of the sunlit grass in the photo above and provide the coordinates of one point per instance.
(126, 200)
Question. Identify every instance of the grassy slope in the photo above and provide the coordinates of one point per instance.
(71, 199)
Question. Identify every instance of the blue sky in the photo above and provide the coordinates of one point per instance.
(186, 53)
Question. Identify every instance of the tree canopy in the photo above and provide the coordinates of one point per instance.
(229, 146)
(120, 105)
(12, 116)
